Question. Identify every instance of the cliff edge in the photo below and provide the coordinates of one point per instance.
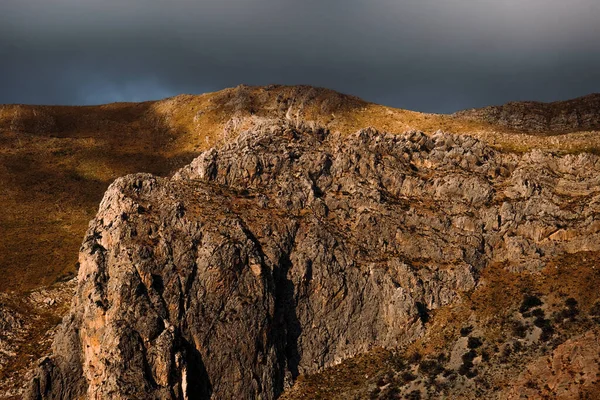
(292, 249)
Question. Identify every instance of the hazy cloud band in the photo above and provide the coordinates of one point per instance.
(429, 55)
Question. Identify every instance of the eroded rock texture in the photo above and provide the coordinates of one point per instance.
(579, 114)
(289, 250)
(570, 372)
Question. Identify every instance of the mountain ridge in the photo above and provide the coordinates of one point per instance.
(556, 117)
(292, 249)
(57, 161)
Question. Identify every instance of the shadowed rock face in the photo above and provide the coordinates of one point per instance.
(290, 250)
(574, 115)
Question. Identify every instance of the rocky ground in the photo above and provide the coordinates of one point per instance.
(296, 261)
(27, 327)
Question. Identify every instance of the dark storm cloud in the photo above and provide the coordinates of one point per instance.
(428, 55)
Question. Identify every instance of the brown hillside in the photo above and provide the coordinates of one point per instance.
(57, 161)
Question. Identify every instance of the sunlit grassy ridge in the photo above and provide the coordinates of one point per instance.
(56, 161)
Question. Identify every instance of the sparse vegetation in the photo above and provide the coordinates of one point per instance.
(408, 377)
(538, 312)
(465, 331)
(529, 302)
(474, 342)
(519, 329)
(570, 312)
(431, 368)
(499, 302)
(414, 395)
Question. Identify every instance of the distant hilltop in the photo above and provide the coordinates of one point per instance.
(581, 114)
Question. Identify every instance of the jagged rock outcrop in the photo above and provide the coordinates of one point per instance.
(579, 114)
(291, 249)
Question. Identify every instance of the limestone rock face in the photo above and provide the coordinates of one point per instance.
(289, 250)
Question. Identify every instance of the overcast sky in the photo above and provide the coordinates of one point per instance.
(428, 55)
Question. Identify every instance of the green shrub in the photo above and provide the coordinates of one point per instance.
(529, 302)
(430, 367)
(407, 376)
(466, 331)
(519, 329)
(474, 342)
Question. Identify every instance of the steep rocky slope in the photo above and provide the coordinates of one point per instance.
(56, 162)
(290, 249)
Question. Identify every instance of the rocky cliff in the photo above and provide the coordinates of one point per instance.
(292, 249)
(56, 162)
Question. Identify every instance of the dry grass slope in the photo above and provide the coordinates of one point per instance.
(56, 161)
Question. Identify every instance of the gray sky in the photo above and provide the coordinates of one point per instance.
(427, 55)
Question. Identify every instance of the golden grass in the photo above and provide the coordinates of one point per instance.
(53, 181)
